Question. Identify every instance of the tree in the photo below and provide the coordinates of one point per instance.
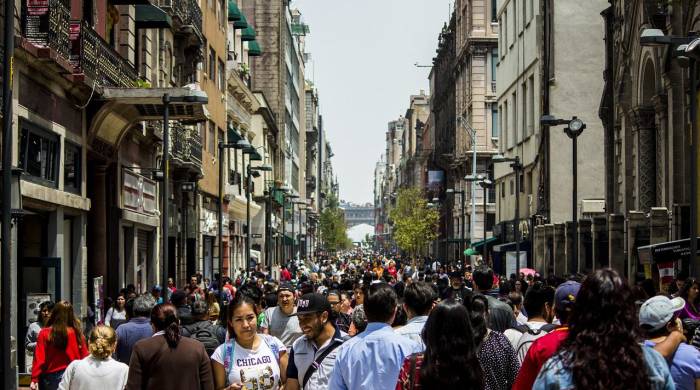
(415, 224)
(332, 225)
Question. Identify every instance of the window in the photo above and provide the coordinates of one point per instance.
(211, 138)
(503, 190)
(38, 154)
(222, 14)
(220, 140)
(212, 64)
(494, 62)
(495, 131)
(505, 129)
(72, 169)
(531, 10)
(490, 221)
(531, 106)
(494, 11)
(512, 187)
(222, 77)
(505, 29)
(514, 119)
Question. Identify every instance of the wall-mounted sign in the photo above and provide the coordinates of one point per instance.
(138, 193)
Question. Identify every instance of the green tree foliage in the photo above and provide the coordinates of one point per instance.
(332, 225)
(415, 224)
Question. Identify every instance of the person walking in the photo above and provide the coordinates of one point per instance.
(501, 316)
(539, 304)
(342, 319)
(450, 360)
(602, 349)
(248, 360)
(373, 358)
(418, 299)
(116, 315)
(166, 360)
(99, 370)
(280, 320)
(202, 329)
(137, 328)
(312, 356)
(691, 294)
(33, 332)
(57, 345)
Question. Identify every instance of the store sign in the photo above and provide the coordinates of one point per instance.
(139, 193)
(37, 22)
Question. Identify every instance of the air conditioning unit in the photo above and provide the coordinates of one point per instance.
(592, 206)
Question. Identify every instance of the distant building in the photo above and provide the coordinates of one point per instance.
(358, 214)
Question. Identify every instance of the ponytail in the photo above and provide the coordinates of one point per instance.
(164, 318)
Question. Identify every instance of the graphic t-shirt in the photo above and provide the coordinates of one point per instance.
(256, 369)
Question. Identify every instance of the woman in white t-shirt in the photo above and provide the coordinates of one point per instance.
(116, 315)
(248, 361)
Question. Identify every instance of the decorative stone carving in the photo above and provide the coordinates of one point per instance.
(644, 122)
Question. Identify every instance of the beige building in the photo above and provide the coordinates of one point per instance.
(476, 41)
(541, 71)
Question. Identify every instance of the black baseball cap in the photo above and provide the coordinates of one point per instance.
(313, 303)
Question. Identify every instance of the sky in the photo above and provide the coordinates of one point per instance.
(362, 63)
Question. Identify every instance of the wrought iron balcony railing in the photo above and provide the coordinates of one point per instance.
(186, 146)
(92, 56)
(186, 11)
(45, 23)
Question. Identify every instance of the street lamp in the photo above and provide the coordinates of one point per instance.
(689, 49)
(485, 183)
(517, 169)
(462, 216)
(294, 237)
(250, 171)
(472, 133)
(574, 128)
(286, 189)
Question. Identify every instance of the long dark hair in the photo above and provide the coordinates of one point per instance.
(686, 289)
(602, 348)
(241, 299)
(164, 318)
(478, 308)
(63, 317)
(450, 360)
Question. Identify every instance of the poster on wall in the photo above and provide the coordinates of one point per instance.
(33, 303)
(98, 287)
(436, 182)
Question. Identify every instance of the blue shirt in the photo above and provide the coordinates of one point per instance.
(128, 334)
(555, 376)
(372, 359)
(413, 329)
(685, 367)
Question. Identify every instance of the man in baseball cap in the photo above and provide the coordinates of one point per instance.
(312, 356)
(658, 318)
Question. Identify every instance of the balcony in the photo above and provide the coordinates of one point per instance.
(186, 149)
(93, 58)
(187, 14)
(45, 30)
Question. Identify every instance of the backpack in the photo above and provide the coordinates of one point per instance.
(205, 334)
(529, 335)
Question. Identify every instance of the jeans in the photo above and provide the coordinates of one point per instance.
(50, 381)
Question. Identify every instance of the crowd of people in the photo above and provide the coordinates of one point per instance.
(366, 321)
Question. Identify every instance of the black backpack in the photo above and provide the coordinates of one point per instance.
(205, 334)
(529, 335)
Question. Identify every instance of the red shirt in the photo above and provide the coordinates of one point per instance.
(540, 351)
(404, 381)
(48, 359)
(285, 275)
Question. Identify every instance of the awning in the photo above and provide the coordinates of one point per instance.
(248, 34)
(255, 156)
(150, 16)
(254, 49)
(484, 242)
(241, 23)
(234, 13)
(233, 135)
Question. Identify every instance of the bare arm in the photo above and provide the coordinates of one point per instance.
(668, 347)
(284, 358)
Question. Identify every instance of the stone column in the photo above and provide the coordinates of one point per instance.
(97, 266)
(538, 249)
(662, 186)
(599, 234)
(636, 221)
(559, 249)
(616, 243)
(644, 124)
(658, 225)
(584, 237)
(571, 264)
(79, 265)
(549, 249)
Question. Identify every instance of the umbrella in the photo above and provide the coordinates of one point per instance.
(527, 271)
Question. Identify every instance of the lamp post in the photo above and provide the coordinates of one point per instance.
(284, 225)
(472, 133)
(574, 128)
(517, 169)
(462, 217)
(687, 51)
(484, 183)
(250, 171)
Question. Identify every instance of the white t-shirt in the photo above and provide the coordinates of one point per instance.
(255, 369)
(91, 373)
(514, 336)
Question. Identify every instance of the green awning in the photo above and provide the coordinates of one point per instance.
(255, 156)
(484, 242)
(234, 14)
(248, 34)
(233, 135)
(241, 23)
(150, 16)
(254, 49)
